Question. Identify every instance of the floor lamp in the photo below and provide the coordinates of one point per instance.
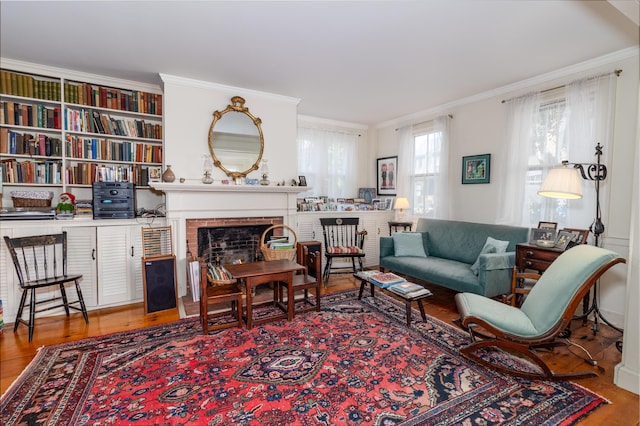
(564, 182)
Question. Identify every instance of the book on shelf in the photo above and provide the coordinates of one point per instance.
(409, 290)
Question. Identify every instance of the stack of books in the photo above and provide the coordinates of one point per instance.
(84, 207)
(385, 279)
(280, 243)
(409, 290)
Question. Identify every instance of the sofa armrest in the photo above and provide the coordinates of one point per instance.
(495, 271)
(386, 247)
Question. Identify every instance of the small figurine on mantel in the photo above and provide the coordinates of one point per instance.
(67, 203)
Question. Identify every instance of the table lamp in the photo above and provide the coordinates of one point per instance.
(400, 205)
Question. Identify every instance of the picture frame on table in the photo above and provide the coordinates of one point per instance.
(476, 169)
(302, 181)
(542, 234)
(386, 173)
(388, 203)
(579, 236)
(563, 240)
(548, 225)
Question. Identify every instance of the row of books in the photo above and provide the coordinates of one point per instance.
(87, 173)
(105, 149)
(92, 121)
(218, 273)
(280, 243)
(394, 283)
(108, 97)
(29, 144)
(28, 86)
(16, 114)
(84, 207)
(18, 84)
(38, 172)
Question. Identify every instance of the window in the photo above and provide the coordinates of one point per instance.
(425, 174)
(326, 158)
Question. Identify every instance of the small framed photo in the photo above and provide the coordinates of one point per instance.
(386, 170)
(548, 225)
(388, 203)
(564, 238)
(578, 236)
(377, 203)
(368, 194)
(542, 235)
(303, 181)
(476, 169)
(155, 174)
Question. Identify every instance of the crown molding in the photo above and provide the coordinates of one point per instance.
(183, 81)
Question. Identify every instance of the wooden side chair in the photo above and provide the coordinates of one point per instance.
(310, 278)
(546, 312)
(342, 239)
(41, 261)
(218, 294)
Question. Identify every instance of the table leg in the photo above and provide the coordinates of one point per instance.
(407, 304)
(424, 316)
(362, 284)
(290, 300)
(248, 286)
(372, 289)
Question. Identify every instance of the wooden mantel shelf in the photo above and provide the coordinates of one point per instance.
(201, 187)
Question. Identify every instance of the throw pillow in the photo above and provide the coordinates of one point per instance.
(408, 244)
(490, 246)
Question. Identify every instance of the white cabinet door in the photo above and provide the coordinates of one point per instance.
(135, 262)
(82, 255)
(114, 280)
(370, 224)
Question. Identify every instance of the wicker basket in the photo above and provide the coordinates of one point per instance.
(31, 198)
(271, 254)
(213, 282)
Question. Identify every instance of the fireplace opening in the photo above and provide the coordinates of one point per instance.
(231, 244)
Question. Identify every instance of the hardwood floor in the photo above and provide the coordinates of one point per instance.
(16, 352)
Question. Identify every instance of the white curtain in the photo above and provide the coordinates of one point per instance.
(327, 159)
(442, 125)
(405, 163)
(590, 110)
(520, 132)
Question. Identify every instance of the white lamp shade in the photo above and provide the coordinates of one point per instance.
(401, 203)
(563, 182)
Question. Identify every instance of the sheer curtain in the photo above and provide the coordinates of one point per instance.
(327, 159)
(520, 132)
(566, 125)
(405, 163)
(442, 126)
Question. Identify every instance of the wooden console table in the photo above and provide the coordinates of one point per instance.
(255, 273)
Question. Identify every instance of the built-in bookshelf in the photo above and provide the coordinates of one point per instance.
(61, 131)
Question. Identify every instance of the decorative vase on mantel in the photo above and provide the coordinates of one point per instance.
(168, 175)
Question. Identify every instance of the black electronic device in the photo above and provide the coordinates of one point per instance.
(114, 200)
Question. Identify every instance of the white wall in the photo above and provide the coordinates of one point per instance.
(189, 106)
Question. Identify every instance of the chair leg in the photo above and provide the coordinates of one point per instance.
(327, 271)
(23, 300)
(360, 262)
(65, 301)
(353, 264)
(32, 313)
(82, 305)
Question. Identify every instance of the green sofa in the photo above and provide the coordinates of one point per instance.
(451, 248)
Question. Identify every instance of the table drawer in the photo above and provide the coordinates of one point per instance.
(543, 255)
(536, 264)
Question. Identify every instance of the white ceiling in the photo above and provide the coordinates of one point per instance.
(362, 62)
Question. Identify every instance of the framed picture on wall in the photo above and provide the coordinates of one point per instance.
(476, 168)
(386, 173)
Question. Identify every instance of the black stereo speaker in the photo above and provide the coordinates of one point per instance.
(159, 278)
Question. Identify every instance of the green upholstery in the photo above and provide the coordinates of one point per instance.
(560, 283)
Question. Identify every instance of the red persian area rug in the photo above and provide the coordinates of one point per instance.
(354, 363)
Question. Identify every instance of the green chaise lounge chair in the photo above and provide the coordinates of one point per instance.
(546, 312)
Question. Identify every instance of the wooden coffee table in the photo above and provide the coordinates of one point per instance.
(407, 300)
(255, 273)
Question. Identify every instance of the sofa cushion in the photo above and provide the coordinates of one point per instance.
(490, 246)
(408, 244)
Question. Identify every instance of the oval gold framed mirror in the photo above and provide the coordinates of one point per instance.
(236, 142)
